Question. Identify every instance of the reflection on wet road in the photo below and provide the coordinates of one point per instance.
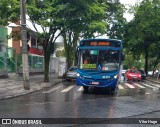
(66, 100)
(124, 89)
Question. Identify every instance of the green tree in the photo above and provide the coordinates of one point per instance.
(71, 18)
(9, 11)
(83, 21)
(68, 18)
(43, 13)
(131, 62)
(98, 15)
(115, 19)
(143, 31)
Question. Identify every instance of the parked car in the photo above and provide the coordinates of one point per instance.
(150, 73)
(143, 74)
(132, 74)
(71, 73)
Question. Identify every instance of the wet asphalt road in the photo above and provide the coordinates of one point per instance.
(66, 100)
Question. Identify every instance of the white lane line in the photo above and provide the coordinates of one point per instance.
(149, 86)
(80, 89)
(53, 89)
(120, 87)
(129, 85)
(139, 85)
(67, 89)
(155, 85)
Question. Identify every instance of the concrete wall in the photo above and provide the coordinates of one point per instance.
(57, 65)
(54, 63)
(62, 66)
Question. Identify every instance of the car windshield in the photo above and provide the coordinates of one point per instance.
(73, 69)
(106, 60)
(142, 72)
(134, 71)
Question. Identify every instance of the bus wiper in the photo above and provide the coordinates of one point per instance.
(100, 72)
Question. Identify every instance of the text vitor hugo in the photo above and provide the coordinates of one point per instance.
(148, 121)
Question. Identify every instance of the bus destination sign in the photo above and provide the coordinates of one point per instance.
(101, 43)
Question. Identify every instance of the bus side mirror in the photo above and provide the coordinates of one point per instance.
(122, 56)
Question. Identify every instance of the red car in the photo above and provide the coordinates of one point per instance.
(132, 74)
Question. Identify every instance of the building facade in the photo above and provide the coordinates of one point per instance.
(3, 51)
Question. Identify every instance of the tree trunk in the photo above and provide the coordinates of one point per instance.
(146, 60)
(46, 71)
(155, 64)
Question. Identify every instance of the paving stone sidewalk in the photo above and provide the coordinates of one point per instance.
(13, 85)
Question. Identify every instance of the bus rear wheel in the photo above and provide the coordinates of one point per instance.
(85, 88)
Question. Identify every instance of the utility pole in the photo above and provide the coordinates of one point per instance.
(26, 83)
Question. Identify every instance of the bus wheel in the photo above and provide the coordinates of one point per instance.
(114, 91)
(85, 88)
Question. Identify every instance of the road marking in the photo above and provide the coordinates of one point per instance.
(156, 85)
(129, 85)
(53, 89)
(149, 86)
(67, 89)
(138, 85)
(120, 87)
(80, 89)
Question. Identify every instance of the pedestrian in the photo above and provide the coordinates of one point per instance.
(86, 60)
(157, 73)
(86, 57)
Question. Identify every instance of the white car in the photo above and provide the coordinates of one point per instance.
(71, 73)
(150, 73)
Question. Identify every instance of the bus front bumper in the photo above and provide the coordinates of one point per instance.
(110, 83)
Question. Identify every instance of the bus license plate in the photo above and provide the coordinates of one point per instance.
(95, 83)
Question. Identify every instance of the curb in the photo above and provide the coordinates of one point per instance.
(153, 81)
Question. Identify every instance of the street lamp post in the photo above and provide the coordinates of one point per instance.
(26, 83)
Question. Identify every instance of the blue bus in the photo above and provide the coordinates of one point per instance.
(99, 63)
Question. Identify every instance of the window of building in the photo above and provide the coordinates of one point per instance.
(33, 42)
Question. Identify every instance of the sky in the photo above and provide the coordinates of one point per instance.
(128, 2)
(126, 15)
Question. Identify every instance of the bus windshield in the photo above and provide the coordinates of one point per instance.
(105, 60)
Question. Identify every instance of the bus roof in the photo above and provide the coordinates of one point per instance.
(107, 39)
(101, 43)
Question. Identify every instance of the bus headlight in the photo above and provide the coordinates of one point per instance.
(78, 74)
(115, 76)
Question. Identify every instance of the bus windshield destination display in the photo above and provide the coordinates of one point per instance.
(101, 43)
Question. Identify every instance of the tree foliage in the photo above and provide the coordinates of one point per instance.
(10, 11)
(84, 21)
(73, 19)
(142, 33)
(115, 19)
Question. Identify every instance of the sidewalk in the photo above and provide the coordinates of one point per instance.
(13, 85)
(155, 80)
